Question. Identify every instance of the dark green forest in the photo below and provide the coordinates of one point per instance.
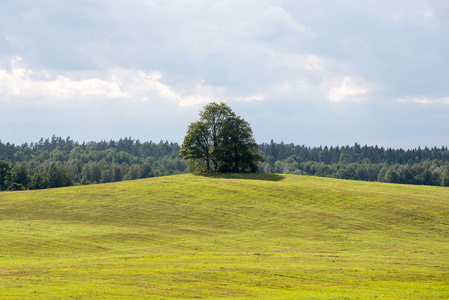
(421, 166)
(59, 162)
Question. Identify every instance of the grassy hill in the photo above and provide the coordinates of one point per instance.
(259, 236)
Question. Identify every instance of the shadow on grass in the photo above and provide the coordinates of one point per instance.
(247, 176)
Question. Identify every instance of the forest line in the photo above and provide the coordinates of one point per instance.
(60, 162)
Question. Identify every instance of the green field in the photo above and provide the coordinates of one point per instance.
(252, 236)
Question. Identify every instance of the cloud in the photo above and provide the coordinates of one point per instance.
(424, 17)
(23, 83)
(202, 94)
(295, 61)
(350, 89)
(132, 85)
(281, 57)
(424, 100)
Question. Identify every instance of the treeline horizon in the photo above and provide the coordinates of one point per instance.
(420, 166)
(58, 162)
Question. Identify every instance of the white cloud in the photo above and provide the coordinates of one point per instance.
(424, 17)
(283, 57)
(145, 85)
(132, 85)
(349, 89)
(304, 62)
(23, 83)
(201, 94)
(424, 100)
(257, 97)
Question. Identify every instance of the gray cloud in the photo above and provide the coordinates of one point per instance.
(309, 72)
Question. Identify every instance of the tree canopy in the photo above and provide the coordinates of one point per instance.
(5, 175)
(220, 141)
(58, 162)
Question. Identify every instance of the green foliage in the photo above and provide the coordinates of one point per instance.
(5, 175)
(21, 174)
(226, 235)
(60, 162)
(237, 149)
(221, 140)
(419, 166)
(196, 145)
(101, 162)
(53, 175)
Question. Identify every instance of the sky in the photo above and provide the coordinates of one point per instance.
(310, 72)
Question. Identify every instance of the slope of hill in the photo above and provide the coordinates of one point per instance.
(236, 236)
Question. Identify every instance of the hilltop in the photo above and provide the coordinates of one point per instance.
(229, 235)
(59, 162)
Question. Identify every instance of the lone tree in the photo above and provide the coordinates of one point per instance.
(220, 141)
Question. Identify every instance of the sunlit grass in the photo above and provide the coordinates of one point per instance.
(233, 235)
